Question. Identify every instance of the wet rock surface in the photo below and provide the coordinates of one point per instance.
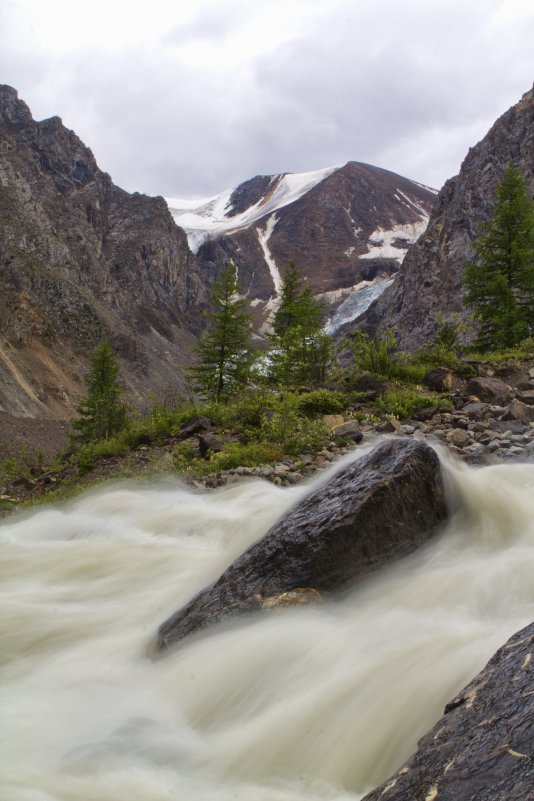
(371, 513)
(482, 749)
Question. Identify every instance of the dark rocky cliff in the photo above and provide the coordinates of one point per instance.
(81, 259)
(430, 279)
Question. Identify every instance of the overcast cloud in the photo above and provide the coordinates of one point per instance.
(186, 102)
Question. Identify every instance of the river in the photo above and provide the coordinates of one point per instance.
(306, 704)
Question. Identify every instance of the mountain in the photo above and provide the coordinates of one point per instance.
(429, 283)
(81, 259)
(342, 225)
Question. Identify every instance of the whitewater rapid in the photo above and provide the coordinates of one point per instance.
(296, 704)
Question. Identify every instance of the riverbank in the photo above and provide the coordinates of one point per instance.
(482, 419)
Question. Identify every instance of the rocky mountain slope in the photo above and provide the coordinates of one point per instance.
(342, 225)
(429, 282)
(81, 259)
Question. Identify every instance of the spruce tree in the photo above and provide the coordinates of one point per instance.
(224, 352)
(302, 351)
(298, 307)
(500, 285)
(102, 413)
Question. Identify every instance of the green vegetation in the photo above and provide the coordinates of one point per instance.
(380, 357)
(186, 459)
(224, 352)
(102, 412)
(322, 401)
(500, 284)
(402, 401)
(301, 353)
(260, 409)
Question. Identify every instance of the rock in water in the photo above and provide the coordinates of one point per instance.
(482, 749)
(374, 511)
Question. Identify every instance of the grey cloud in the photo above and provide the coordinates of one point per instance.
(214, 21)
(409, 93)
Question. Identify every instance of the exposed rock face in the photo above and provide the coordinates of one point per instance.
(373, 512)
(483, 747)
(341, 225)
(430, 279)
(81, 259)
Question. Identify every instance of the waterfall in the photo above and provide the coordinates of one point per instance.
(292, 705)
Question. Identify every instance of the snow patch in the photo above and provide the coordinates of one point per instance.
(358, 301)
(263, 238)
(349, 251)
(202, 219)
(382, 242)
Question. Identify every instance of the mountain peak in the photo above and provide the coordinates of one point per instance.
(13, 111)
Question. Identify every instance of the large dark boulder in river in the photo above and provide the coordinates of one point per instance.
(378, 509)
(482, 749)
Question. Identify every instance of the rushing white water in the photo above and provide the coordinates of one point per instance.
(306, 703)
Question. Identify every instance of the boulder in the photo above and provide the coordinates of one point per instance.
(209, 442)
(194, 425)
(367, 383)
(378, 509)
(490, 390)
(458, 437)
(482, 748)
(511, 425)
(520, 411)
(439, 379)
(475, 411)
(527, 396)
(349, 430)
(333, 420)
(390, 426)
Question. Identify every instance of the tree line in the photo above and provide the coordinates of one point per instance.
(296, 352)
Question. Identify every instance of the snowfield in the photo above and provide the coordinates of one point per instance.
(201, 219)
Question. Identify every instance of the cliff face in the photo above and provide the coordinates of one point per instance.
(430, 279)
(81, 259)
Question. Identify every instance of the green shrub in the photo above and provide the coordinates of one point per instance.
(294, 433)
(321, 401)
(88, 455)
(404, 401)
(381, 357)
(523, 351)
(251, 455)
(234, 454)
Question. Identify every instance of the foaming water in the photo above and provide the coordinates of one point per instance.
(306, 703)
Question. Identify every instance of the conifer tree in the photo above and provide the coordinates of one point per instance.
(302, 351)
(224, 352)
(102, 412)
(298, 307)
(500, 285)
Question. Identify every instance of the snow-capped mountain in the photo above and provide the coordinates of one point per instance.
(224, 213)
(346, 227)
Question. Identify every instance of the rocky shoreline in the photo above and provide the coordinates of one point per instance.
(483, 420)
(492, 421)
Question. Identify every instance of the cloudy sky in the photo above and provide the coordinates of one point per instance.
(188, 98)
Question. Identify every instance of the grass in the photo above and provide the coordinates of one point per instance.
(405, 401)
